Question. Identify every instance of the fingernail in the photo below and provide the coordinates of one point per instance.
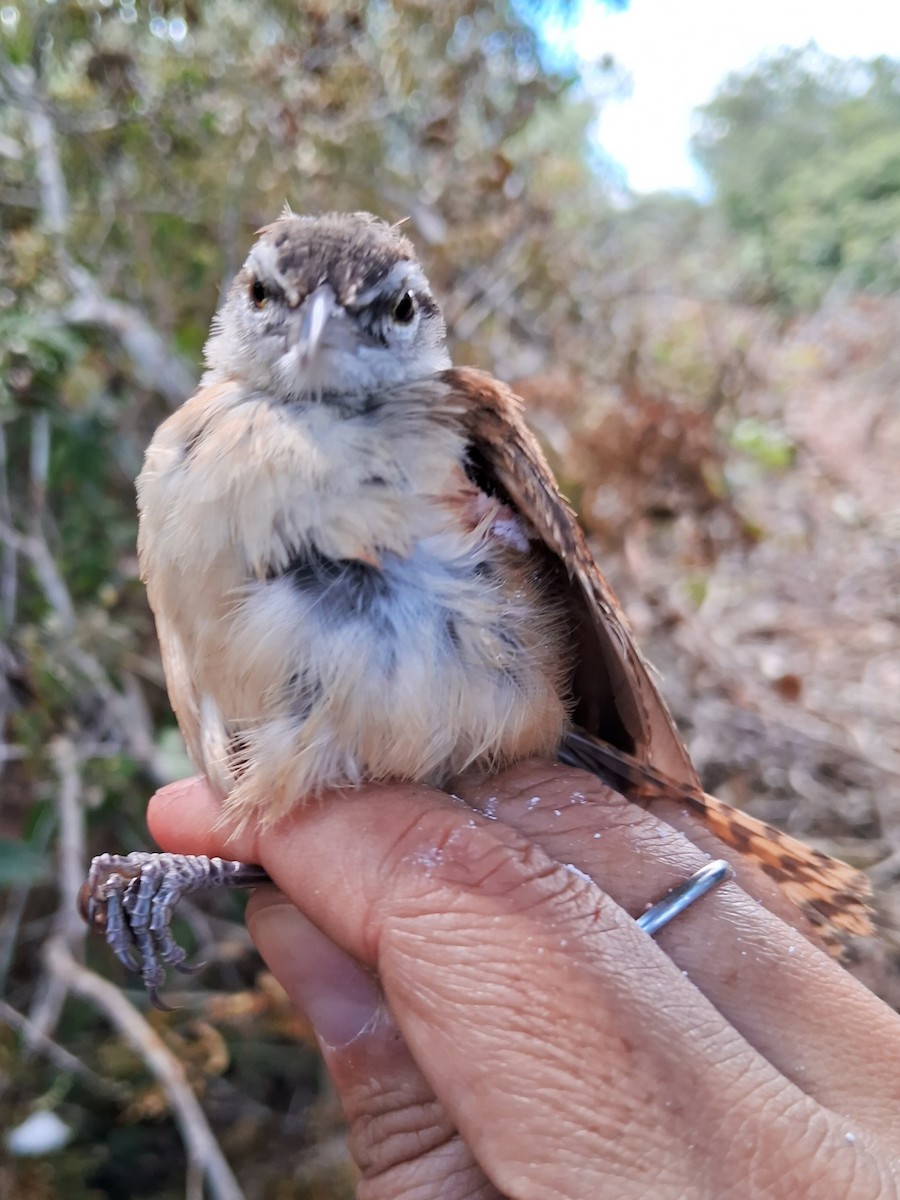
(338, 996)
(179, 789)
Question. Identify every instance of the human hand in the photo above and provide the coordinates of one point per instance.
(496, 1023)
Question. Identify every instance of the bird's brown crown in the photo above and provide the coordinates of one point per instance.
(352, 252)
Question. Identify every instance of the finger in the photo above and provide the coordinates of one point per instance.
(562, 1042)
(483, 791)
(401, 1137)
(750, 964)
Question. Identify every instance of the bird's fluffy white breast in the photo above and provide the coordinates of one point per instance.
(282, 688)
(243, 478)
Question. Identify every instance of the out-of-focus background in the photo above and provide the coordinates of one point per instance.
(713, 369)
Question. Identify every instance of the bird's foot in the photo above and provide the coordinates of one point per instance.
(131, 898)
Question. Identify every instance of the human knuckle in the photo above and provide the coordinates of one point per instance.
(460, 851)
(395, 1130)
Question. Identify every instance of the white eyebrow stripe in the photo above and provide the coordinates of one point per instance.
(263, 262)
(402, 274)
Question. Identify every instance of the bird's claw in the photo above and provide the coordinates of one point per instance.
(131, 899)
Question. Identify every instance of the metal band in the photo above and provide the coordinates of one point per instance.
(684, 895)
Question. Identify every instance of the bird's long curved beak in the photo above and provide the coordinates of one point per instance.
(317, 308)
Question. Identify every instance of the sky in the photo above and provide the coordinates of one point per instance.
(677, 51)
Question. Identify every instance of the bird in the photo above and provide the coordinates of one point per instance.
(362, 568)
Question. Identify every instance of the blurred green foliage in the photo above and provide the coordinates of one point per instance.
(803, 155)
(766, 444)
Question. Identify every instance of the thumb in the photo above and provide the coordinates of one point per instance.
(400, 1136)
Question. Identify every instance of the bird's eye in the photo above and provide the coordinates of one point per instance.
(258, 293)
(404, 309)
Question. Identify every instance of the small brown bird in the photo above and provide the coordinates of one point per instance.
(361, 568)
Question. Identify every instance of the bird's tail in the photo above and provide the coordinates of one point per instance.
(833, 895)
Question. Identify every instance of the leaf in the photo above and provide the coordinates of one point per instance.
(20, 864)
(764, 442)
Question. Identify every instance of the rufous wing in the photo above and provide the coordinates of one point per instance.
(628, 734)
(616, 697)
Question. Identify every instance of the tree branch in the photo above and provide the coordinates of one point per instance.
(156, 365)
(202, 1148)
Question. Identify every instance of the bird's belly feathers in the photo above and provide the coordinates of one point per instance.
(337, 672)
(342, 660)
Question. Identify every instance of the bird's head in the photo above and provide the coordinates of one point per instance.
(331, 306)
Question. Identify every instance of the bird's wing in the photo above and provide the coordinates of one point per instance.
(616, 696)
(629, 737)
(181, 688)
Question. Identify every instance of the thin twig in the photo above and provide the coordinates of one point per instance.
(471, 289)
(156, 364)
(193, 1182)
(52, 584)
(21, 87)
(59, 1056)
(51, 180)
(202, 1148)
(9, 558)
(126, 712)
(39, 465)
(72, 839)
(71, 842)
(66, 974)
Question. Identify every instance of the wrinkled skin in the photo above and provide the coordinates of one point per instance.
(496, 1024)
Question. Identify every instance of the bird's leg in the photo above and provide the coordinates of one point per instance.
(130, 899)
